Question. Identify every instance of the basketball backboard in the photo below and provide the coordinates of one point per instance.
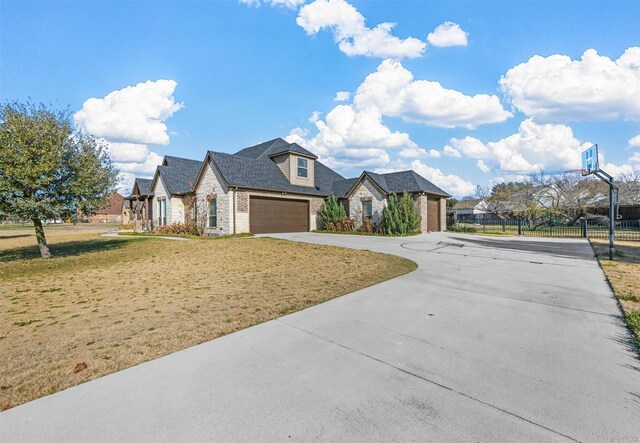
(590, 160)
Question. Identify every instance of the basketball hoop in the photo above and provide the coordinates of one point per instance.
(582, 172)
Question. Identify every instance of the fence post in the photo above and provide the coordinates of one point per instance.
(519, 226)
(584, 227)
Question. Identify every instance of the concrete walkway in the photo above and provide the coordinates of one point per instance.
(164, 237)
(491, 339)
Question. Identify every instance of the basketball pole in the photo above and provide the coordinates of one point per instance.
(590, 165)
(612, 188)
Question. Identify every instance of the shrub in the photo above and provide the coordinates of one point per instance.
(178, 228)
(400, 216)
(332, 214)
(461, 227)
(366, 226)
(345, 224)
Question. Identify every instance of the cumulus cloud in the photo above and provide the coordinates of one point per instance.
(556, 88)
(289, 4)
(352, 138)
(416, 152)
(134, 114)
(393, 90)
(350, 129)
(451, 152)
(448, 34)
(127, 121)
(533, 147)
(351, 33)
(342, 96)
(483, 166)
(634, 142)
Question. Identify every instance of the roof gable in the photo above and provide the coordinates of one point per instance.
(178, 174)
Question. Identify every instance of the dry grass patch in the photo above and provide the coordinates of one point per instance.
(624, 275)
(113, 303)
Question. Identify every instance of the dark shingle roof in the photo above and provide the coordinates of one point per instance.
(407, 181)
(273, 147)
(392, 183)
(263, 173)
(144, 185)
(179, 174)
(340, 188)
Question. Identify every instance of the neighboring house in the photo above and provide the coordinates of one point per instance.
(278, 186)
(138, 207)
(110, 213)
(172, 190)
(470, 210)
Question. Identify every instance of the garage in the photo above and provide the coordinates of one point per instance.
(272, 215)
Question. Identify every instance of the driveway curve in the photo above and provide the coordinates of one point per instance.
(490, 339)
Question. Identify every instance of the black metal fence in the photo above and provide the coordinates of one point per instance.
(627, 230)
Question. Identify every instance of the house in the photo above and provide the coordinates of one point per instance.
(278, 186)
(470, 210)
(111, 212)
(172, 190)
(138, 207)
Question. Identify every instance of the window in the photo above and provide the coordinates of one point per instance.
(303, 168)
(162, 212)
(213, 213)
(366, 210)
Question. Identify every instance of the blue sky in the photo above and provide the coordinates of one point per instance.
(184, 77)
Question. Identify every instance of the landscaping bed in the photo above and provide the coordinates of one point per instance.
(105, 304)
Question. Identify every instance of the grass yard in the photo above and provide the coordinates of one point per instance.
(105, 304)
(624, 275)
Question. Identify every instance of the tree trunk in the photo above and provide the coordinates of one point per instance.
(42, 241)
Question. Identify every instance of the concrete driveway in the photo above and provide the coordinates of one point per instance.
(491, 339)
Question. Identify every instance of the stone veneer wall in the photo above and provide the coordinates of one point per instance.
(378, 202)
(443, 214)
(211, 185)
(421, 205)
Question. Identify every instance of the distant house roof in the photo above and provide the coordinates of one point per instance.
(113, 205)
(469, 203)
(178, 174)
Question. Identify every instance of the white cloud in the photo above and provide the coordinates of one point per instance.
(415, 152)
(352, 138)
(342, 96)
(556, 88)
(393, 90)
(452, 184)
(448, 34)
(482, 166)
(451, 152)
(289, 4)
(127, 152)
(126, 121)
(533, 147)
(350, 129)
(351, 33)
(617, 170)
(134, 114)
(146, 167)
(634, 142)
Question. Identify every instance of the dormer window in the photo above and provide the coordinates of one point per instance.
(303, 167)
